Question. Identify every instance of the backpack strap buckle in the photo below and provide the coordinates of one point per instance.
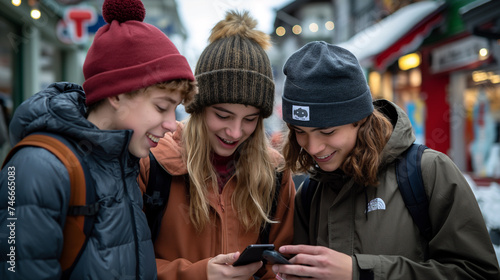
(84, 210)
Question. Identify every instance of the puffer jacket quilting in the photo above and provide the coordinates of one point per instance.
(120, 245)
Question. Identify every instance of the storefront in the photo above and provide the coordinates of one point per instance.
(389, 52)
(482, 121)
(448, 70)
(481, 93)
(31, 54)
(35, 55)
(444, 75)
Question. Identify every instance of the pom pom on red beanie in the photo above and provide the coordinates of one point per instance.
(123, 10)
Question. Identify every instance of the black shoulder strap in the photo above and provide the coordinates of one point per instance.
(411, 186)
(308, 187)
(156, 196)
(266, 228)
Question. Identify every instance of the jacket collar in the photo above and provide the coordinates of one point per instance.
(60, 108)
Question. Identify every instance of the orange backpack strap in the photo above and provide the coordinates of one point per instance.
(74, 228)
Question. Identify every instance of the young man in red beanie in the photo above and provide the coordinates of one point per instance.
(134, 80)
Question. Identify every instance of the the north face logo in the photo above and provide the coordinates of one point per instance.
(300, 113)
(376, 204)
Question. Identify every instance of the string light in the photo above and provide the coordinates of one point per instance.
(313, 27)
(483, 53)
(297, 29)
(280, 31)
(35, 11)
(329, 25)
(409, 61)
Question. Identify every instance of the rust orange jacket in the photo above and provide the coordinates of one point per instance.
(181, 251)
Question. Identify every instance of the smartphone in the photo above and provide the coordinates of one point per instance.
(274, 257)
(252, 253)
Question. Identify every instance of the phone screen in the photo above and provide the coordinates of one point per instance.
(252, 253)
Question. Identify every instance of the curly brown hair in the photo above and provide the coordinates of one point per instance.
(361, 163)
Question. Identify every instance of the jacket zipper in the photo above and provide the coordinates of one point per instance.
(223, 224)
(221, 205)
(134, 225)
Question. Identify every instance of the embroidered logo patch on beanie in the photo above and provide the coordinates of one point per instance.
(300, 113)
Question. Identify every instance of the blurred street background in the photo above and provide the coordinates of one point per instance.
(439, 60)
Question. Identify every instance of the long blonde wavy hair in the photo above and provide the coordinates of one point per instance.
(362, 163)
(255, 175)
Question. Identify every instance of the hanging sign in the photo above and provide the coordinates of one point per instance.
(457, 54)
(73, 28)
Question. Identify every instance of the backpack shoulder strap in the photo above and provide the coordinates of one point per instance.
(308, 187)
(82, 205)
(156, 196)
(266, 228)
(411, 186)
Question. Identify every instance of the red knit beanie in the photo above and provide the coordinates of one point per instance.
(128, 54)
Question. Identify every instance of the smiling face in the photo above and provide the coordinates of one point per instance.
(329, 146)
(229, 125)
(149, 114)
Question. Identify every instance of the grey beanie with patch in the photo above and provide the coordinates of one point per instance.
(324, 87)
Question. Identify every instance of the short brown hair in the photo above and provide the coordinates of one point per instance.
(187, 88)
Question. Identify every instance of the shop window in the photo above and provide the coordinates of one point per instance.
(407, 94)
(482, 105)
(402, 88)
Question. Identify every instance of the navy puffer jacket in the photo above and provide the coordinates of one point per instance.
(120, 245)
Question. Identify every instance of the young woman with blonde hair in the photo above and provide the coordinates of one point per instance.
(225, 179)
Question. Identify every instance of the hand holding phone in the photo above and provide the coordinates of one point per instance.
(252, 253)
(274, 257)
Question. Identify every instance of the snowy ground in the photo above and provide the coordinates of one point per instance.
(488, 199)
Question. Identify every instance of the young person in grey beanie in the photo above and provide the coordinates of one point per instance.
(355, 224)
(224, 171)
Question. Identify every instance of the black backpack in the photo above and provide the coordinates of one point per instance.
(410, 183)
(158, 190)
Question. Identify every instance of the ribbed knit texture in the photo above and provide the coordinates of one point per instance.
(128, 54)
(324, 87)
(234, 69)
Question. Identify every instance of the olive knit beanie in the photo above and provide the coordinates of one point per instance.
(324, 87)
(234, 68)
(128, 54)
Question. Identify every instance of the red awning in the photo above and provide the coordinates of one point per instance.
(398, 34)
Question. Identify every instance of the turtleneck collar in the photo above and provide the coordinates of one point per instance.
(225, 168)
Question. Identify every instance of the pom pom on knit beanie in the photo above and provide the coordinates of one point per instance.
(234, 67)
(128, 54)
(324, 87)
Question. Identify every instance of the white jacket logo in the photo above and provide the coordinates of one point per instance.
(376, 204)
